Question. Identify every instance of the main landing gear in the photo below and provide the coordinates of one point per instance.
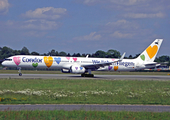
(20, 74)
(87, 75)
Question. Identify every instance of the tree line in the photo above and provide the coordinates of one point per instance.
(7, 52)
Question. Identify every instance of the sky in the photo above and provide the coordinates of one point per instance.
(85, 26)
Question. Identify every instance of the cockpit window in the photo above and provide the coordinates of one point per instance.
(8, 59)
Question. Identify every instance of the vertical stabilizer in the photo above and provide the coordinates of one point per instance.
(150, 53)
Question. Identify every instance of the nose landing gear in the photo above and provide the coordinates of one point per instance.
(20, 74)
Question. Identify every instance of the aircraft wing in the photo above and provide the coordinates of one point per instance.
(97, 65)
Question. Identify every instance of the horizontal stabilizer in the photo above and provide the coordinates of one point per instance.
(152, 64)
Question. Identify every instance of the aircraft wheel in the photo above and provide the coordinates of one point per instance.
(90, 75)
(87, 75)
(82, 75)
(20, 74)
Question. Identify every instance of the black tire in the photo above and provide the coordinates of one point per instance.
(20, 74)
(89, 75)
(92, 75)
(82, 75)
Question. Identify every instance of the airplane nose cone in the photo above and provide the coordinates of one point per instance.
(3, 63)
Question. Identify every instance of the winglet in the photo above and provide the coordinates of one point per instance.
(122, 56)
(87, 56)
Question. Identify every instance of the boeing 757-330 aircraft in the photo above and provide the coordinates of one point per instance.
(84, 65)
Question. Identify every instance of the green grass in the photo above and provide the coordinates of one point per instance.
(52, 91)
(82, 115)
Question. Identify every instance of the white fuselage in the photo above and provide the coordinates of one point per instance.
(81, 65)
(58, 62)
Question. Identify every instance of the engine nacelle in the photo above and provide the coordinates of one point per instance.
(65, 71)
(77, 69)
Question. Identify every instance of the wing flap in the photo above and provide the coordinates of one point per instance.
(97, 65)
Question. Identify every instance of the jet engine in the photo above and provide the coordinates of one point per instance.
(65, 70)
(77, 69)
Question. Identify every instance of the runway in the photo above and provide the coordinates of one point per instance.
(134, 108)
(149, 108)
(77, 76)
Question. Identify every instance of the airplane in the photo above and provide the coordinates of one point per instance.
(84, 65)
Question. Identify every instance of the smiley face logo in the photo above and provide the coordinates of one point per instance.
(142, 57)
(116, 68)
(75, 59)
(17, 60)
(34, 65)
(110, 67)
(152, 51)
(48, 61)
(68, 58)
(58, 60)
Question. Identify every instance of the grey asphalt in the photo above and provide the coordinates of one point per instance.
(135, 108)
(149, 108)
(77, 76)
